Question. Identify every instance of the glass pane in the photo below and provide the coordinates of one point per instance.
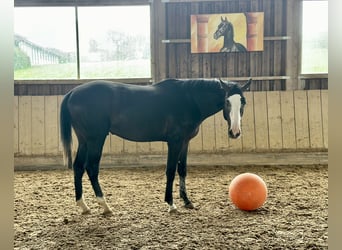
(44, 43)
(114, 42)
(315, 37)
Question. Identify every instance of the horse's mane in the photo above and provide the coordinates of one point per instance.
(191, 84)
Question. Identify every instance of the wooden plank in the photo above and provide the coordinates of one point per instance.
(235, 145)
(172, 62)
(208, 132)
(16, 125)
(324, 100)
(274, 120)
(143, 147)
(315, 118)
(129, 146)
(196, 143)
(183, 52)
(25, 125)
(261, 121)
(156, 147)
(106, 146)
(38, 125)
(206, 73)
(51, 125)
(216, 65)
(73, 135)
(288, 120)
(301, 118)
(116, 144)
(194, 65)
(247, 126)
(59, 100)
(221, 132)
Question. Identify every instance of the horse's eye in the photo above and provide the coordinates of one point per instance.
(243, 100)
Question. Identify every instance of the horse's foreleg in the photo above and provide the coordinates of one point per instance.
(182, 168)
(172, 159)
(170, 176)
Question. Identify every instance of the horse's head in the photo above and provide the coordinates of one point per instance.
(234, 104)
(225, 27)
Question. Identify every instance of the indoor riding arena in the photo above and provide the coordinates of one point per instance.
(184, 109)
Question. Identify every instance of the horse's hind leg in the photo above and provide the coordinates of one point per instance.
(92, 168)
(79, 170)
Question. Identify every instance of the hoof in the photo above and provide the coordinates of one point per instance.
(189, 206)
(172, 209)
(86, 212)
(107, 213)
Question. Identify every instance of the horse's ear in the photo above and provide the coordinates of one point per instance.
(225, 18)
(222, 19)
(224, 85)
(246, 85)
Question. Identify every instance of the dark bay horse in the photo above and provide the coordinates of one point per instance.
(226, 29)
(170, 111)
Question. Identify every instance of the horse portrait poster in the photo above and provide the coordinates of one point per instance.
(230, 32)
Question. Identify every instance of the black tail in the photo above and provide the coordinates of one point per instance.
(65, 125)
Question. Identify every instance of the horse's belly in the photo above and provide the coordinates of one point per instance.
(137, 132)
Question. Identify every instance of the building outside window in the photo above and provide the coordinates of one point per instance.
(112, 42)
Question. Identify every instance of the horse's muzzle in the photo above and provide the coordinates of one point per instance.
(232, 135)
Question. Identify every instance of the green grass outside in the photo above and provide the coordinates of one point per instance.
(114, 69)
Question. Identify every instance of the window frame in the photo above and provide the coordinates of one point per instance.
(301, 75)
(89, 3)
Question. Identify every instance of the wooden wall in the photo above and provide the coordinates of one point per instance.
(286, 111)
(277, 67)
(273, 121)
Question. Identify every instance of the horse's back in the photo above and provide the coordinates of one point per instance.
(90, 106)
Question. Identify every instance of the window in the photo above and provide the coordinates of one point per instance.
(44, 43)
(315, 37)
(113, 42)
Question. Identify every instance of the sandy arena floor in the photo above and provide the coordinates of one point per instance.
(294, 216)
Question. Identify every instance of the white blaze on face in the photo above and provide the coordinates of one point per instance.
(235, 117)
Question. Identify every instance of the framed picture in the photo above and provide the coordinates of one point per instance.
(231, 32)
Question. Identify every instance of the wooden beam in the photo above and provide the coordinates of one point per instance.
(266, 38)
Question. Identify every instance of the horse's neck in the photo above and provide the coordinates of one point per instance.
(209, 101)
(228, 41)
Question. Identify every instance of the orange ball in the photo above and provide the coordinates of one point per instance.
(248, 191)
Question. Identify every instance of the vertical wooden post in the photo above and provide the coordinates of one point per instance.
(293, 46)
(158, 49)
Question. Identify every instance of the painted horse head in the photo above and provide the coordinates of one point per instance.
(225, 28)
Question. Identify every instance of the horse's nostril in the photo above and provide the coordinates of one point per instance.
(232, 135)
